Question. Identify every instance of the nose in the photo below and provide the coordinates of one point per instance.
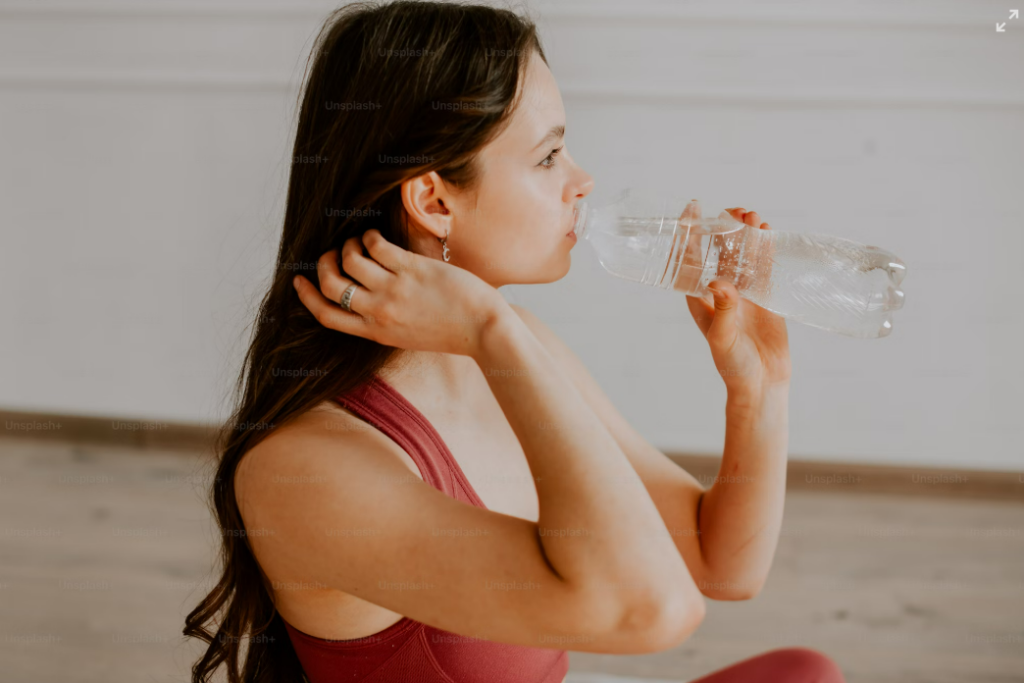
(586, 185)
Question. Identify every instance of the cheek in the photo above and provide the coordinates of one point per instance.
(540, 203)
(518, 215)
(512, 211)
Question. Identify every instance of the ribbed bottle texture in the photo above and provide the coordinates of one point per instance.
(827, 282)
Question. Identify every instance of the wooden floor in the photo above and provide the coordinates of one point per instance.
(104, 549)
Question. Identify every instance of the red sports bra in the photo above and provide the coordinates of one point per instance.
(409, 651)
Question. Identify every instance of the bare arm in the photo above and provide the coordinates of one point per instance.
(599, 528)
(741, 514)
(355, 519)
(724, 558)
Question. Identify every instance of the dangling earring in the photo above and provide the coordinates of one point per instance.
(444, 247)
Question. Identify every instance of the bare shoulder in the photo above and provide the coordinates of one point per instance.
(310, 441)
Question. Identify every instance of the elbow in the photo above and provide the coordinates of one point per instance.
(732, 592)
(663, 625)
(749, 594)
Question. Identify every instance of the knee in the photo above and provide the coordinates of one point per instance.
(806, 665)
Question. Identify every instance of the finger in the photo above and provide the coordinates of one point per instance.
(766, 256)
(365, 271)
(332, 282)
(329, 314)
(703, 313)
(728, 263)
(737, 213)
(692, 211)
(689, 220)
(751, 218)
(723, 328)
(390, 256)
(693, 257)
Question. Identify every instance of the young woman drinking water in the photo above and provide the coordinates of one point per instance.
(421, 482)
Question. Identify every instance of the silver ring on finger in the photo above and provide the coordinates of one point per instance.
(346, 298)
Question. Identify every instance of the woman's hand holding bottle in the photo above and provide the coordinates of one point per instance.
(749, 344)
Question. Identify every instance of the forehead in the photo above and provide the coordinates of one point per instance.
(539, 108)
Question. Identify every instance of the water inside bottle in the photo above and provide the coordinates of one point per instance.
(818, 280)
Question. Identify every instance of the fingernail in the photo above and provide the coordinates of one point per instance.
(295, 282)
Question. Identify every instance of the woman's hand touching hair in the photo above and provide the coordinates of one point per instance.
(404, 300)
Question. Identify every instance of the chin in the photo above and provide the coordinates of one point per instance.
(553, 269)
(554, 273)
(565, 269)
(559, 267)
(557, 271)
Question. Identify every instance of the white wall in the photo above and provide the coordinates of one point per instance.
(143, 158)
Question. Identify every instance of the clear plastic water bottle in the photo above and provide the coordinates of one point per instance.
(818, 280)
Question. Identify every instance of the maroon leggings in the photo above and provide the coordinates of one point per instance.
(785, 665)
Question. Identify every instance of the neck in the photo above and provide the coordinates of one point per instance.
(431, 371)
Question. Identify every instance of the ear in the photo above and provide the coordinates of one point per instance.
(426, 199)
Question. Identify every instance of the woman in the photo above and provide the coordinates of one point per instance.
(421, 482)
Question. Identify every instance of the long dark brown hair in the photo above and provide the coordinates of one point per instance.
(391, 91)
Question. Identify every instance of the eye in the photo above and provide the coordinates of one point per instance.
(551, 158)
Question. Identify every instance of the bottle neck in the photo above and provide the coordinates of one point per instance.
(581, 224)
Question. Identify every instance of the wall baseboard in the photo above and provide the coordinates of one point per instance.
(904, 480)
(109, 431)
(801, 474)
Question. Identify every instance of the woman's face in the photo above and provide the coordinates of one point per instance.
(514, 226)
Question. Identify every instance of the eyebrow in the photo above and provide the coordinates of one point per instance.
(553, 134)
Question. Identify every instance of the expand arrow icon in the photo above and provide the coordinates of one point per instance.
(1001, 28)
(1014, 13)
